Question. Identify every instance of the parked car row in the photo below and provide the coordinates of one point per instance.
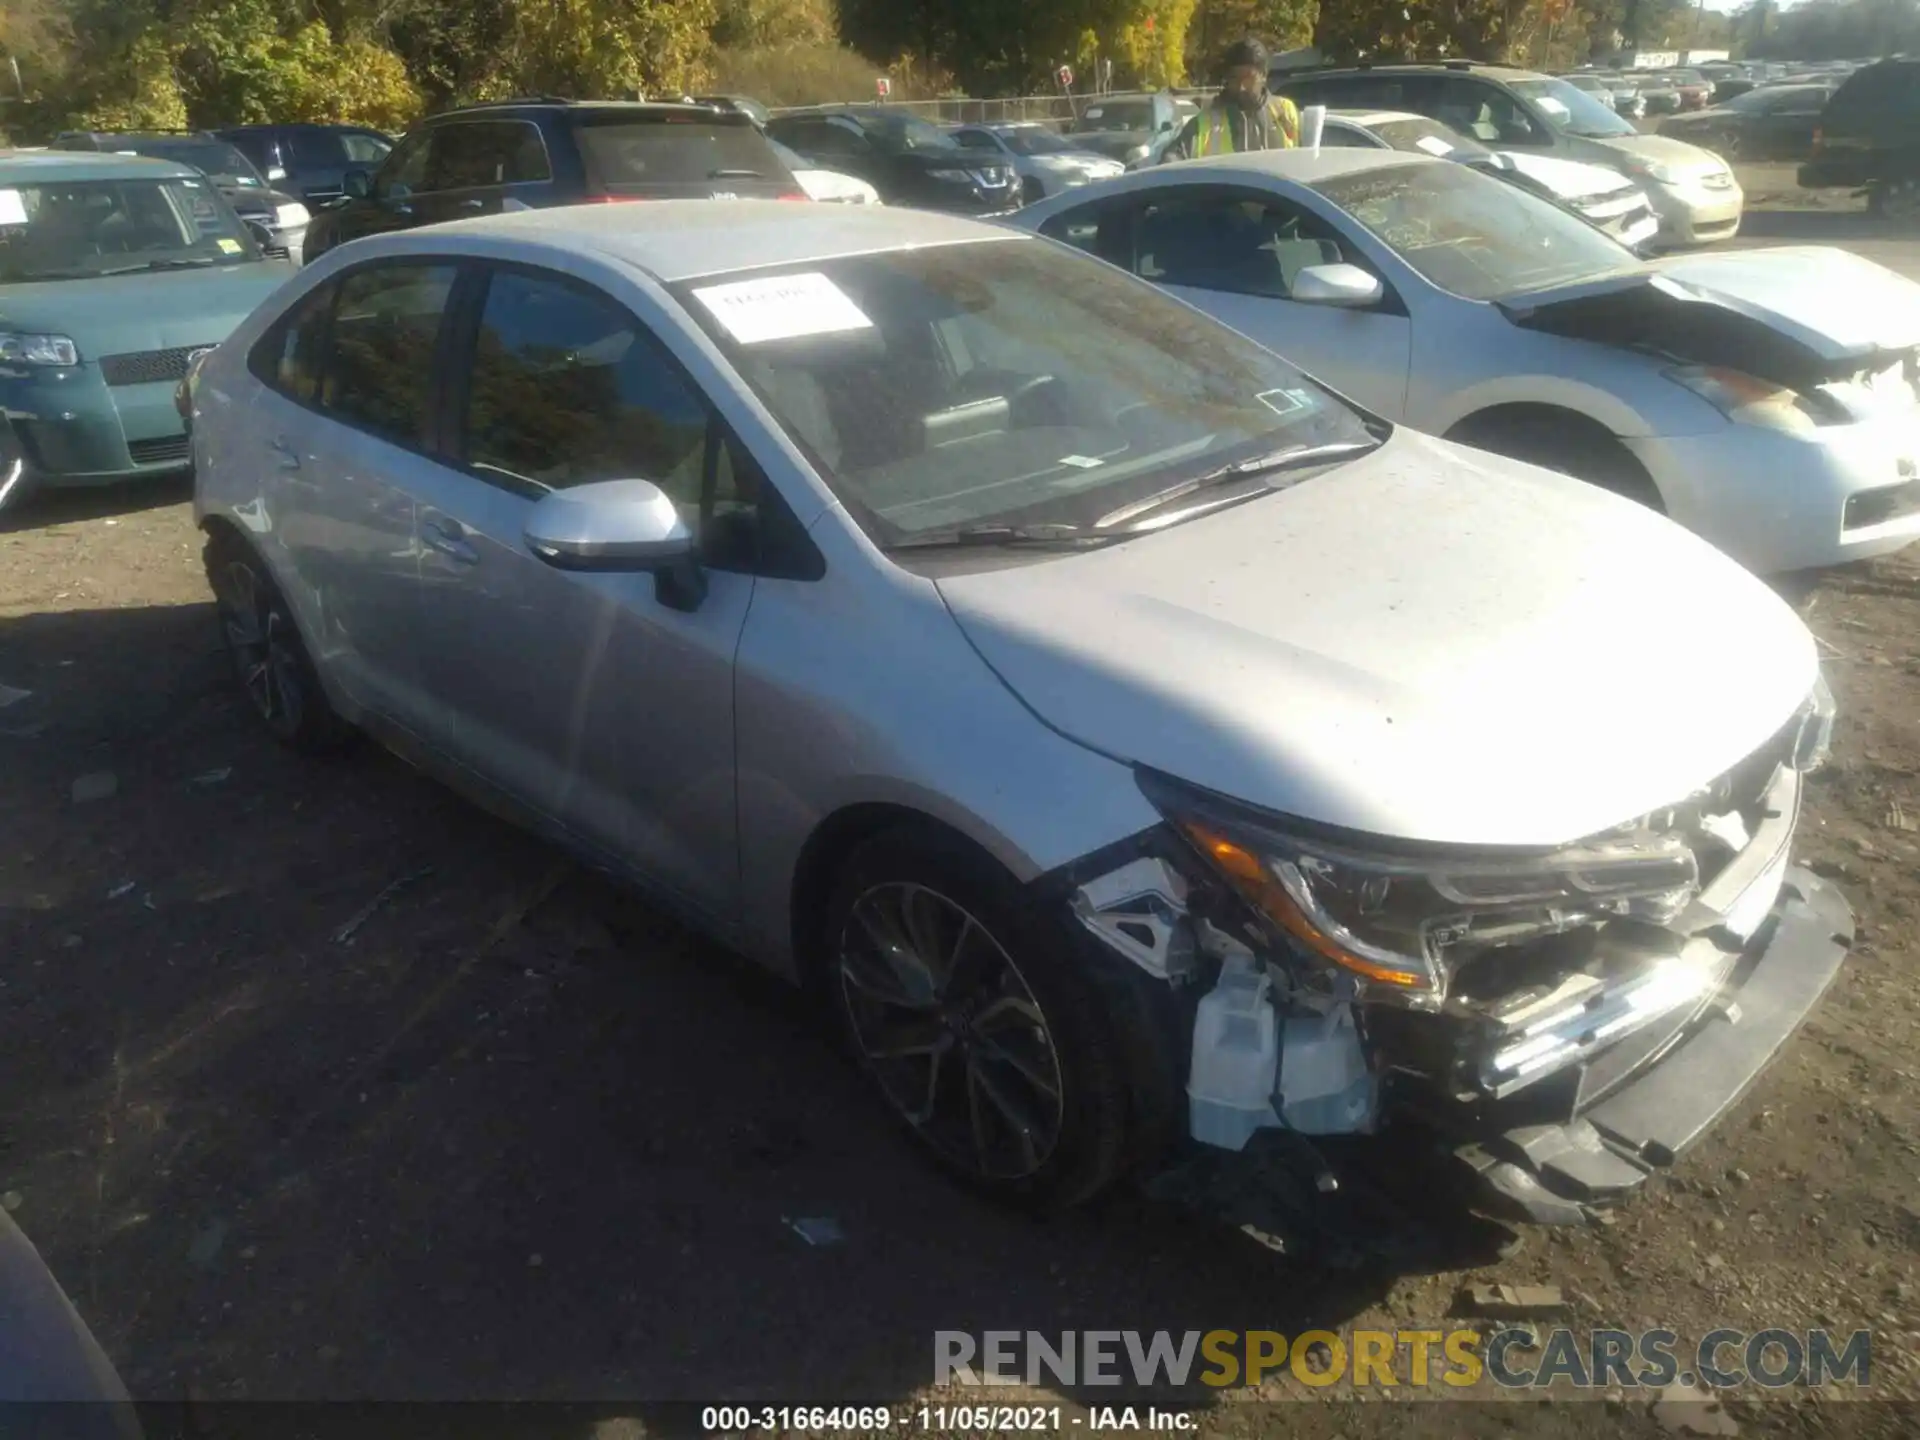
(1139, 741)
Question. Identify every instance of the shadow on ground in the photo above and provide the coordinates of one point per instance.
(58, 507)
(322, 1084)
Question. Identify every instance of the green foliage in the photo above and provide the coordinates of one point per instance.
(807, 74)
(773, 24)
(1393, 29)
(1830, 29)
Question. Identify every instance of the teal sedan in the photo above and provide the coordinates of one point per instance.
(115, 273)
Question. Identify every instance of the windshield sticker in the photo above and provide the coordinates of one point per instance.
(1094, 114)
(756, 311)
(1285, 402)
(1082, 462)
(1434, 145)
(13, 210)
(230, 247)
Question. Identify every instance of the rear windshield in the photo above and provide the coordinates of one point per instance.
(623, 150)
(1416, 132)
(1877, 91)
(209, 157)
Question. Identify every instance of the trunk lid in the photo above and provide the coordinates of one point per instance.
(1429, 643)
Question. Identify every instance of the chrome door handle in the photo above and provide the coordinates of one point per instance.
(288, 459)
(438, 538)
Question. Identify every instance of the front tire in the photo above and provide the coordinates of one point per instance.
(269, 659)
(1565, 442)
(979, 1027)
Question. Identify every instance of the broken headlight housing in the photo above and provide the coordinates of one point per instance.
(1748, 400)
(1402, 919)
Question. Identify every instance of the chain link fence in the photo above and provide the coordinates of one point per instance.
(961, 110)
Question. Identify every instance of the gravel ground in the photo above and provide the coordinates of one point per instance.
(516, 1136)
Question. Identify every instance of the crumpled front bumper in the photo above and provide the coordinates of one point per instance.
(1558, 1174)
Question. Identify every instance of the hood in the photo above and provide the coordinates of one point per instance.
(832, 185)
(1429, 643)
(1798, 316)
(160, 310)
(1569, 179)
(1075, 161)
(1676, 155)
(976, 161)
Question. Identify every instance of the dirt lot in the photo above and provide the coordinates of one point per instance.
(515, 1136)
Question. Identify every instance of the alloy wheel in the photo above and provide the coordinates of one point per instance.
(951, 1031)
(257, 637)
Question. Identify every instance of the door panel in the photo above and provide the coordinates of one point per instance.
(1235, 254)
(339, 425)
(581, 695)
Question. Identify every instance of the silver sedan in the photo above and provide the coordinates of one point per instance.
(1130, 740)
(1769, 400)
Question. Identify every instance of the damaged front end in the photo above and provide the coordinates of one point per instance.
(1562, 1022)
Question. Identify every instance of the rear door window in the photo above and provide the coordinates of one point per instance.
(379, 364)
(481, 154)
(1877, 95)
(317, 150)
(629, 151)
(288, 357)
(363, 148)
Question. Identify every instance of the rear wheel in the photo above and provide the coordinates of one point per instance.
(1895, 200)
(983, 1033)
(1031, 191)
(1563, 441)
(268, 657)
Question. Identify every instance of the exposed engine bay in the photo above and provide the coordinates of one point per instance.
(1337, 987)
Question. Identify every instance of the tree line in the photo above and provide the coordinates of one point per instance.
(178, 63)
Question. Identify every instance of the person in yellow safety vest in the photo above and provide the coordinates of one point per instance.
(1243, 116)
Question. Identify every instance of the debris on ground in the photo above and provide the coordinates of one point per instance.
(1689, 1410)
(100, 785)
(1511, 1302)
(208, 778)
(125, 887)
(205, 1248)
(817, 1229)
(344, 935)
(11, 695)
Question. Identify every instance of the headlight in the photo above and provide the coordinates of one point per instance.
(1749, 400)
(1138, 153)
(1654, 171)
(19, 349)
(291, 215)
(1405, 921)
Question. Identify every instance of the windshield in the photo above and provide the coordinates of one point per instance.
(897, 133)
(620, 150)
(1116, 115)
(1419, 133)
(1033, 141)
(209, 157)
(1571, 110)
(1472, 235)
(81, 229)
(1002, 382)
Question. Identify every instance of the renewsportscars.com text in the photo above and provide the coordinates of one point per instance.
(1513, 1358)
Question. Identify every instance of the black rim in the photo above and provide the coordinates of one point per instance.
(258, 638)
(951, 1031)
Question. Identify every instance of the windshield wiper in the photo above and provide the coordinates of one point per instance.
(1050, 533)
(1299, 457)
(199, 262)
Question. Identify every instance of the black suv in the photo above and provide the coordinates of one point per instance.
(1869, 138)
(531, 154)
(906, 159)
(312, 160)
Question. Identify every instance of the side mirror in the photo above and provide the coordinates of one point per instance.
(619, 525)
(356, 184)
(262, 236)
(1344, 285)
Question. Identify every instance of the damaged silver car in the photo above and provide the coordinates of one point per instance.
(1136, 745)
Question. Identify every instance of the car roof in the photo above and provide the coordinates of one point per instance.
(1304, 167)
(36, 167)
(674, 240)
(1374, 117)
(1421, 67)
(562, 106)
